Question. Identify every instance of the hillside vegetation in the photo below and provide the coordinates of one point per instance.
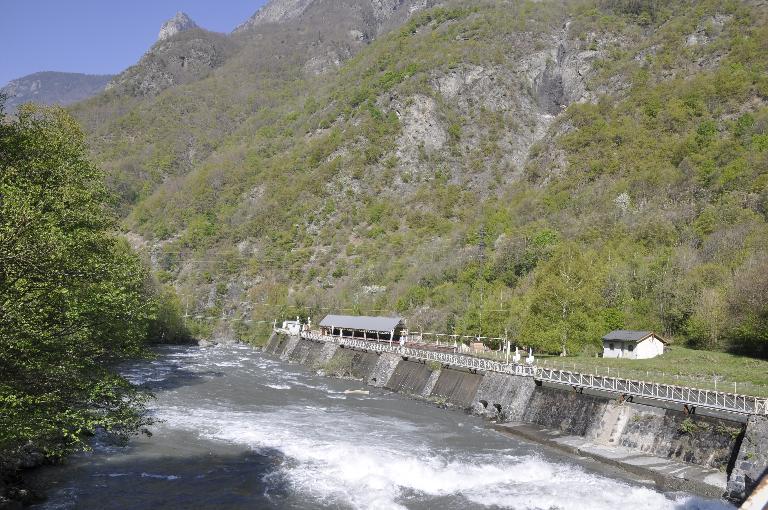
(552, 170)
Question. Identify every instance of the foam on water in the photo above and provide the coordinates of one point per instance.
(353, 459)
(363, 452)
(278, 386)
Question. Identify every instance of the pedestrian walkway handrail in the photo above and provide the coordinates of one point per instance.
(691, 397)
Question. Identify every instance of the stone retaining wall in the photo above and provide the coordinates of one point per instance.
(409, 377)
(456, 387)
(503, 397)
(751, 462)
(666, 433)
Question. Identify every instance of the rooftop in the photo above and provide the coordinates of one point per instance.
(626, 335)
(361, 322)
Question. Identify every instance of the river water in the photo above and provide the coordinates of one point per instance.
(242, 430)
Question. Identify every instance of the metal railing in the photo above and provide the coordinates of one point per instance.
(679, 394)
(730, 402)
(447, 358)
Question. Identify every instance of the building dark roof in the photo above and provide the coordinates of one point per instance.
(626, 335)
(362, 322)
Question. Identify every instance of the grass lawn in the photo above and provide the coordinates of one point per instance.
(681, 366)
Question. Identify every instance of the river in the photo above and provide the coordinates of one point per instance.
(242, 430)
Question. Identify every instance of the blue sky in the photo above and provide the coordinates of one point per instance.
(97, 36)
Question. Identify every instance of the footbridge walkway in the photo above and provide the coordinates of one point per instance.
(690, 397)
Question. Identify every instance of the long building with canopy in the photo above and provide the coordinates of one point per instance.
(362, 326)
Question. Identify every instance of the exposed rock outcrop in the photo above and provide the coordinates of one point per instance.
(179, 23)
(275, 11)
(183, 53)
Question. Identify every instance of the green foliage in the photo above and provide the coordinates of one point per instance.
(646, 208)
(74, 298)
(168, 325)
(688, 426)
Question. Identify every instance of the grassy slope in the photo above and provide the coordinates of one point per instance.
(646, 209)
(680, 366)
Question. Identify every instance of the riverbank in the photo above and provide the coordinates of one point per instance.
(666, 474)
(702, 452)
(242, 429)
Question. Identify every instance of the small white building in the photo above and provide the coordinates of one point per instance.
(622, 343)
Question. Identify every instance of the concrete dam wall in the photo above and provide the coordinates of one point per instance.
(718, 453)
(409, 377)
(456, 387)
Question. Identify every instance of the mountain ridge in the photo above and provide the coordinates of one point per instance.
(53, 87)
(178, 23)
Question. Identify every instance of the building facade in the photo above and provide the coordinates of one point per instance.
(622, 343)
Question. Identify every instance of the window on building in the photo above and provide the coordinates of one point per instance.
(631, 347)
(610, 346)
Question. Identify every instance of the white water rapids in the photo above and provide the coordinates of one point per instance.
(241, 430)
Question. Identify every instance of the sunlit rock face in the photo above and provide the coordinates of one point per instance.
(179, 23)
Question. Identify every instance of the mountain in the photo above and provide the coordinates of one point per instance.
(53, 88)
(179, 23)
(276, 11)
(551, 169)
(183, 53)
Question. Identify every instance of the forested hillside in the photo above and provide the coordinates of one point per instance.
(551, 169)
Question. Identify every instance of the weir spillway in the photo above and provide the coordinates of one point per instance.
(709, 442)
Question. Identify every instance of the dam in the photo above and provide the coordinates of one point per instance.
(681, 438)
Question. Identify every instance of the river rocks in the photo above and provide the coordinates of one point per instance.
(752, 460)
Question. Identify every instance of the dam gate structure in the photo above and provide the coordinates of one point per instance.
(712, 443)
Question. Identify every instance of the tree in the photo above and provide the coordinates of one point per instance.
(566, 311)
(74, 298)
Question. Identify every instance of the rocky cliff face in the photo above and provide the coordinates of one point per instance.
(179, 23)
(182, 54)
(276, 11)
(53, 88)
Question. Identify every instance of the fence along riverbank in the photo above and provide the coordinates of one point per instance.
(712, 452)
(691, 397)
